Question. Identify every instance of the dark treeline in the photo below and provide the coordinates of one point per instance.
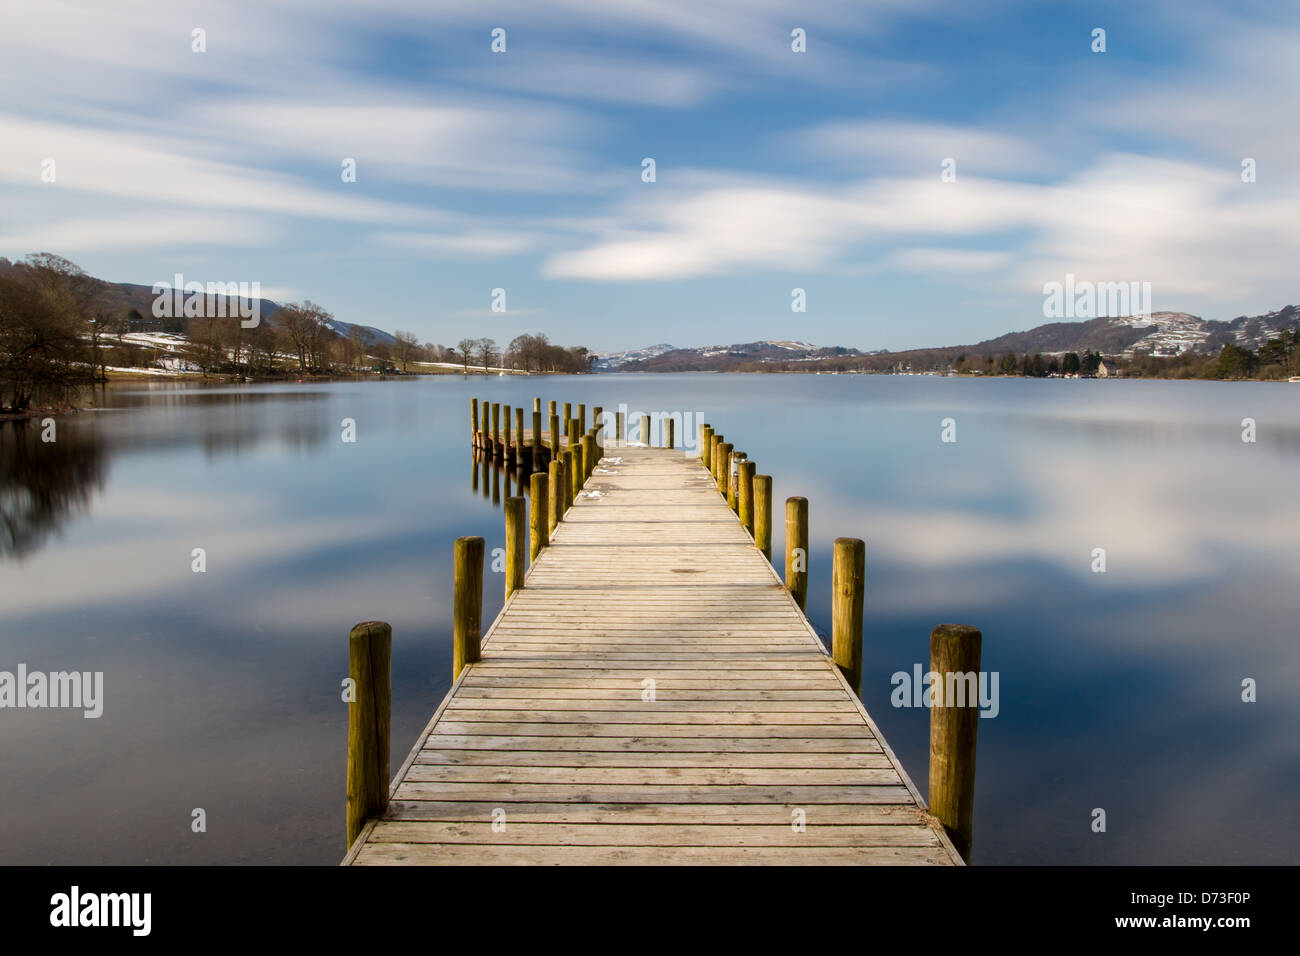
(1275, 360)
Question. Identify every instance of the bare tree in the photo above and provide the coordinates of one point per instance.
(405, 345)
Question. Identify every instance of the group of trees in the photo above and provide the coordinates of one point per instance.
(525, 353)
(50, 334)
(1276, 359)
(1031, 366)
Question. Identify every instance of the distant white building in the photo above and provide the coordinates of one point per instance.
(1108, 370)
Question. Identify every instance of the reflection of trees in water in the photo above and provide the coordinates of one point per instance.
(42, 484)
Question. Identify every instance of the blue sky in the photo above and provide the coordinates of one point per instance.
(775, 170)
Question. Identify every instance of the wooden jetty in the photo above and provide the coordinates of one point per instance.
(651, 694)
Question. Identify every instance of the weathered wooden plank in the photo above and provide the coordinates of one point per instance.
(631, 702)
(420, 772)
(609, 729)
(640, 793)
(416, 854)
(507, 832)
(692, 718)
(590, 758)
(644, 744)
(507, 691)
(775, 814)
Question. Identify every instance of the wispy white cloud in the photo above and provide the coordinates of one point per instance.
(919, 148)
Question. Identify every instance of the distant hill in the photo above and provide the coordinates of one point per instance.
(609, 361)
(721, 358)
(1161, 333)
(135, 301)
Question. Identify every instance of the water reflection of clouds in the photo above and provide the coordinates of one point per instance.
(1160, 521)
(141, 549)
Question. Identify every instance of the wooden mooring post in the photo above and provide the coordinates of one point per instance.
(724, 466)
(670, 424)
(588, 456)
(848, 588)
(745, 494)
(516, 511)
(370, 649)
(763, 515)
(954, 656)
(555, 489)
(796, 549)
(571, 480)
(537, 530)
(733, 473)
(467, 603)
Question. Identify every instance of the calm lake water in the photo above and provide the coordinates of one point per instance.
(1119, 690)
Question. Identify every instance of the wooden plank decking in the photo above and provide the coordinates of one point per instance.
(652, 696)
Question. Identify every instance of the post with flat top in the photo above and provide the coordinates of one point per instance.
(537, 518)
(954, 720)
(796, 549)
(671, 437)
(571, 480)
(370, 648)
(763, 514)
(555, 503)
(733, 475)
(516, 543)
(706, 440)
(588, 456)
(848, 586)
(724, 467)
(467, 603)
(745, 494)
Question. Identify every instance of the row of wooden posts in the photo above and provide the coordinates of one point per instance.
(558, 474)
